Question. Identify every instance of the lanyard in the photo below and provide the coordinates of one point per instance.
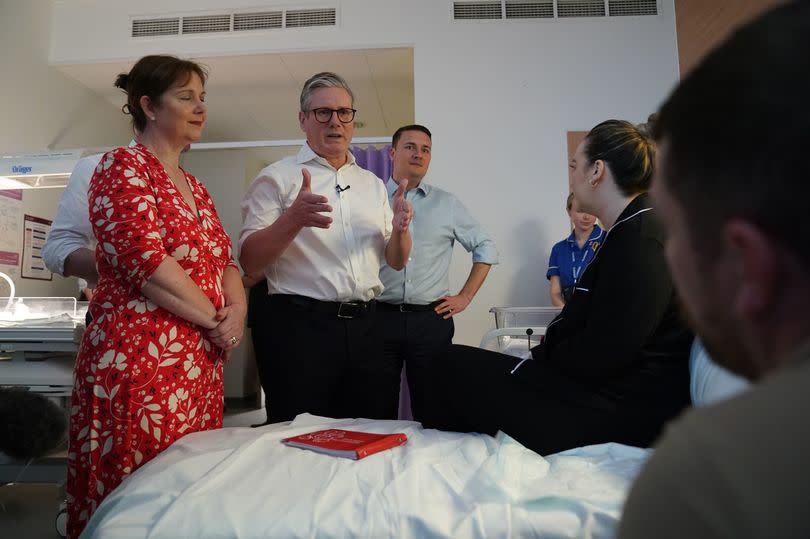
(576, 270)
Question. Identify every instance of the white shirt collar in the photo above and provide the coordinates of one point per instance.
(307, 154)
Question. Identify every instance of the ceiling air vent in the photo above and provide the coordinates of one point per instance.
(477, 10)
(156, 27)
(580, 8)
(204, 24)
(529, 9)
(257, 21)
(234, 22)
(632, 7)
(299, 18)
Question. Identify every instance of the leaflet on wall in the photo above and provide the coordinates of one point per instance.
(35, 232)
(10, 233)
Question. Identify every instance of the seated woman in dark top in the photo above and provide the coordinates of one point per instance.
(614, 363)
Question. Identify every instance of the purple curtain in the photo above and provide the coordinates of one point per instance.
(375, 160)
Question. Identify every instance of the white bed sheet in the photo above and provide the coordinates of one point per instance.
(241, 482)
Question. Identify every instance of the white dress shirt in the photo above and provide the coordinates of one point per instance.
(71, 228)
(340, 263)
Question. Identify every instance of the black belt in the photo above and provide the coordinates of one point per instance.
(346, 309)
(406, 307)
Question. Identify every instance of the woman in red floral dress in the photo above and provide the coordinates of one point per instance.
(169, 306)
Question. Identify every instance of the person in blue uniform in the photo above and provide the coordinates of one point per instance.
(572, 255)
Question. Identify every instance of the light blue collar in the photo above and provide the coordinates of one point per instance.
(391, 186)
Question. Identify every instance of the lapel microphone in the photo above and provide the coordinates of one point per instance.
(340, 189)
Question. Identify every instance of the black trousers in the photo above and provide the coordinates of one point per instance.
(413, 339)
(473, 390)
(322, 363)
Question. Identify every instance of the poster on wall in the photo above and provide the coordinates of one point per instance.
(10, 235)
(35, 232)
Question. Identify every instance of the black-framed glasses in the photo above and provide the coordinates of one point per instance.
(324, 114)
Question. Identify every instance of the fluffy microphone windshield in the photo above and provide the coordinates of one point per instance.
(30, 424)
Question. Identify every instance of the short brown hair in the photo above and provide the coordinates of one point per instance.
(412, 127)
(151, 76)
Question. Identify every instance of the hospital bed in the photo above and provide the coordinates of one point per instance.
(241, 482)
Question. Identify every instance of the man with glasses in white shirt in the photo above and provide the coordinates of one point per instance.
(320, 227)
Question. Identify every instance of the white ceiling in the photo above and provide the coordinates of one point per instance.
(256, 97)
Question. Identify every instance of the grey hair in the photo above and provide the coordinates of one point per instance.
(324, 79)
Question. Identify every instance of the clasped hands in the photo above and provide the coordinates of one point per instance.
(230, 327)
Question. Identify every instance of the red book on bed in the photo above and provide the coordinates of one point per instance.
(346, 443)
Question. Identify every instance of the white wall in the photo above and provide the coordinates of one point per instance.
(38, 203)
(498, 96)
(42, 203)
(39, 107)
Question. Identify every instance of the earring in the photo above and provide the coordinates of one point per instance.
(152, 118)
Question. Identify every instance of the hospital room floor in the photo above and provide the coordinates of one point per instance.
(28, 510)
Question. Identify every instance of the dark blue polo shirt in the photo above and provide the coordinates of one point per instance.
(568, 261)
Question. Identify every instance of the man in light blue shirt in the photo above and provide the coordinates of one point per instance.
(416, 309)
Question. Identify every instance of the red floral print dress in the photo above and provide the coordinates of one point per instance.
(143, 376)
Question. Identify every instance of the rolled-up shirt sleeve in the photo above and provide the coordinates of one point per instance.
(123, 212)
(71, 228)
(472, 236)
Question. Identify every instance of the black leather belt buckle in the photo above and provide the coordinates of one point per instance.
(351, 309)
